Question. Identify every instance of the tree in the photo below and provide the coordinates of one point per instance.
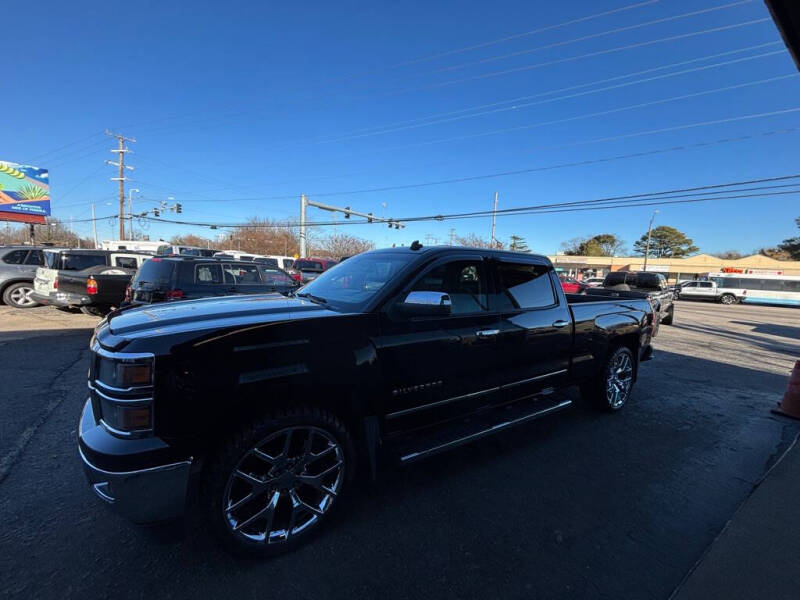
(190, 240)
(792, 245)
(518, 244)
(666, 242)
(728, 255)
(266, 236)
(775, 253)
(341, 245)
(472, 240)
(602, 244)
(54, 232)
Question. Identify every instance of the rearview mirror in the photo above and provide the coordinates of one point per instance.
(426, 304)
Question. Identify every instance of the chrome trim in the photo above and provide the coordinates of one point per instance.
(487, 332)
(121, 355)
(132, 434)
(159, 468)
(128, 390)
(483, 432)
(530, 379)
(560, 323)
(413, 409)
(128, 401)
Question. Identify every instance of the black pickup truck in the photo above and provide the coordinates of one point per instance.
(259, 410)
(654, 285)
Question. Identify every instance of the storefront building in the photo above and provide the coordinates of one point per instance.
(674, 269)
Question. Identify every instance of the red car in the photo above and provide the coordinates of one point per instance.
(571, 286)
(307, 269)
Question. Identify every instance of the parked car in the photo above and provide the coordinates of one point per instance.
(653, 284)
(17, 270)
(186, 278)
(259, 410)
(570, 285)
(93, 281)
(594, 281)
(697, 290)
(308, 269)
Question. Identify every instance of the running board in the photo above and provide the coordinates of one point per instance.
(448, 436)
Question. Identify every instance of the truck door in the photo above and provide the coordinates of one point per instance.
(440, 367)
(534, 345)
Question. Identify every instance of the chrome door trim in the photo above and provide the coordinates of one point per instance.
(414, 409)
(530, 379)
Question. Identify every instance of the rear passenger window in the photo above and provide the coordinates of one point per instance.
(208, 274)
(523, 286)
(462, 281)
(242, 274)
(35, 258)
(15, 258)
(125, 262)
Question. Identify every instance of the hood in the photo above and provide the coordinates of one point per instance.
(212, 313)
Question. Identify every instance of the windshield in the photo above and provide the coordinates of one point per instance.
(351, 285)
(309, 265)
(154, 271)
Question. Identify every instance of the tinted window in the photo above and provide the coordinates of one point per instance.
(208, 274)
(650, 281)
(705, 284)
(309, 265)
(15, 257)
(79, 262)
(463, 281)
(35, 258)
(523, 286)
(269, 262)
(241, 274)
(616, 278)
(155, 271)
(126, 262)
(287, 263)
(692, 284)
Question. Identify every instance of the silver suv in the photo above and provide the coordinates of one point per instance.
(17, 269)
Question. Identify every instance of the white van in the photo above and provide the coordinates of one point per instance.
(272, 260)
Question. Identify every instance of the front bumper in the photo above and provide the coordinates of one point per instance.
(143, 495)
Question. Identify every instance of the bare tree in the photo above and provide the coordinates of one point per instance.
(472, 240)
(342, 245)
(190, 240)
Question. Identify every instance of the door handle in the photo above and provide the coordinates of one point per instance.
(560, 323)
(485, 333)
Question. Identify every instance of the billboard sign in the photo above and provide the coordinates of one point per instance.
(24, 190)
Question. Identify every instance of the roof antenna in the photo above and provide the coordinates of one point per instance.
(415, 245)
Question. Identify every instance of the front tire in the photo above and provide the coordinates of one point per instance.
(275, 483)
(728, 299)
(611, 390)
(18, 295)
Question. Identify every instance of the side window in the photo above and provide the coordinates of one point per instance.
(208, 274)
(522, 286)
(15, 257)
(242, 274)
(125, 262)
(705, 284)
(692, 284)
(463, 281)
(35, 258)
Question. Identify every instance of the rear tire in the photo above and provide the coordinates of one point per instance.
(18, 295)
(670, 316)
(611, 389)
(274, 484)
(95, 311)
(728, 299)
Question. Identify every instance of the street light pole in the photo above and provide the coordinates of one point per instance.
(649, 234)
(130, 212)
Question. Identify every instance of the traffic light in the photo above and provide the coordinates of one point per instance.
(369, 217)
(178, 208)
(156, 212)
(346, 212)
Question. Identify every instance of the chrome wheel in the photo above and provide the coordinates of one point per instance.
(727, 299)
(284, 485)
(620, 380)
(20, 297)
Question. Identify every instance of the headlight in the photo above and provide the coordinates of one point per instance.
(122, 391)
(125, 418)
(123, 373)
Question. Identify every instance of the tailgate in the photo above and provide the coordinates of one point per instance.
(44, 282)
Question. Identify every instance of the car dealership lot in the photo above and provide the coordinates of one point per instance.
(578, 505)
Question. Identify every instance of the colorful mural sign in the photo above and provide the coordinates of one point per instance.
(24, 190)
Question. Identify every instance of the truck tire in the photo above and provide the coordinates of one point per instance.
(273, 484)
(728, 299)
(611, 389)
(95, 311)
(670, 316)
(18, 295)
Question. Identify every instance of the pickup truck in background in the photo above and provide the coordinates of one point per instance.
(259, 410)
(93, 281)
(653, 285)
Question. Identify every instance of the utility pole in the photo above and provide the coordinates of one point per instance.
(94, 227)
(649, 233)
(303, 206)
(121, 150)
(494, 218)
(130, 212)
(452, 235)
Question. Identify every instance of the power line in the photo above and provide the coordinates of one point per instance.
(59, 148)
(581, 56)
(593, 36)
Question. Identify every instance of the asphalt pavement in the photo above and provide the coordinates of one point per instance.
(578, 505)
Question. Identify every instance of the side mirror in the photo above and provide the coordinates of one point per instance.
(426, 304)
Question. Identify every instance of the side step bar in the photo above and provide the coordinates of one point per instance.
(454, 436)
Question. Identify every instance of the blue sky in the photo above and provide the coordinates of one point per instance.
(238, 102)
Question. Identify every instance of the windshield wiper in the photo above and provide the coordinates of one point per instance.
(312, 297)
